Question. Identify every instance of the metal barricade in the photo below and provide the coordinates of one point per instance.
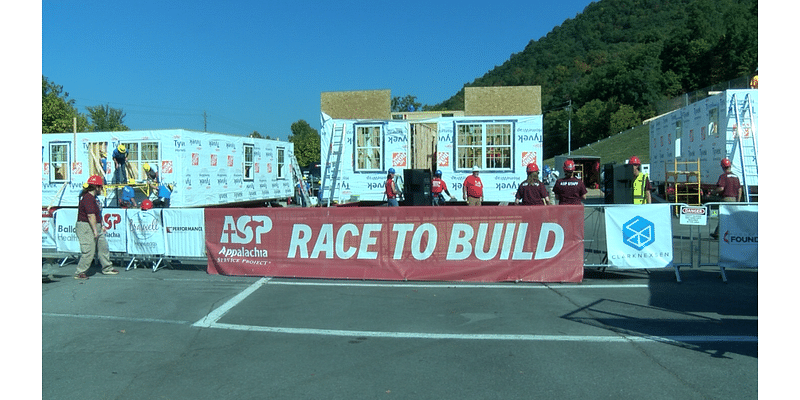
(693, 245)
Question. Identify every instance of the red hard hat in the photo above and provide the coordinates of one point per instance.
(725, 163)
(569, 165)
(634, 161)
(146, 204)
(96, 180)
(532, 167)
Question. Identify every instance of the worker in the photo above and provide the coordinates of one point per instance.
(392, 192)
(437, 187)
(164, 194)
(120, 156)
(150, 173)
(728, 186)
(641, 183)
(569, 190)
(472, 189)
(754, 81)
(91, 231)
(126, 199)
(532, 191)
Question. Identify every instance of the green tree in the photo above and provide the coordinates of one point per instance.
(255, 134)
(57, 111)
(408, 103)
(106, 119)
(623, 119)
(306, 142)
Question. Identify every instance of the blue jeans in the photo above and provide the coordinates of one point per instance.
(392, 203)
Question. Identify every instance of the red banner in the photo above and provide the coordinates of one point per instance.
(479, 244)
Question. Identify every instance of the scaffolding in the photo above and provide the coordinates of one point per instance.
(683, 182)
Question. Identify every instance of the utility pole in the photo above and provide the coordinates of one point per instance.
(569, 129)
(205, 121)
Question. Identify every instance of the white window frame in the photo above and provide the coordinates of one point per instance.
(486, 144)
(63, 160)
(247, 164)
(136, 160)
(368, 145)
(281, 162)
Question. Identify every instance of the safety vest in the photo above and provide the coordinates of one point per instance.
(639, 186)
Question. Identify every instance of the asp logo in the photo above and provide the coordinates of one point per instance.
(244, 229)
(638, 233)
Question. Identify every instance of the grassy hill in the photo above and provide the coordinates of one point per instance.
(618, 148)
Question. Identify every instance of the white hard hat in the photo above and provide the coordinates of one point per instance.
(475, 168)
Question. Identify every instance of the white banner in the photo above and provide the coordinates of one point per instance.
(145, 232)
(639, 236)
(48, 232)
(116, 232)
(185, 232)
(66, 238)
(738, 242)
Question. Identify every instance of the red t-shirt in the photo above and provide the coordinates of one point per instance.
(390, 194)
(438, 186)
(569, 190)
(730, 185)
(532, 194)
(88, 204)
(474, 186)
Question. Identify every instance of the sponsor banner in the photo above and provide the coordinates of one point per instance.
(483, 244)
(48, 232)
(65, 236)
(639, 236)
(145, 232)
(184, 232)
(738, 240)
(116, 232)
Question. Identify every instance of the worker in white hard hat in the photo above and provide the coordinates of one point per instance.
(472, 189)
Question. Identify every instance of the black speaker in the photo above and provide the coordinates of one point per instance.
(417, 187)
(608, 183)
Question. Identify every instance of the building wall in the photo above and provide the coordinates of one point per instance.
(503, 100)
(362, 104)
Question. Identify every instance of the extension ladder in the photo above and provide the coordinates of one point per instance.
(330, 179)
(745, 134)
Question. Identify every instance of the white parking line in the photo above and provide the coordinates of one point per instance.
(215, 315)
(210, 321)
(513, 337)
(526, 285)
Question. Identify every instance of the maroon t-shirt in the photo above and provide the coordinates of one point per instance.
(730, 185)
(88, 205)
(569, 190)
(532, 194)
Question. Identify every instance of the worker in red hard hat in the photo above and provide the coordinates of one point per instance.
(728, 186)
(641, 184)
(569, 189)
(146, 204)
(90, 230)
(531, 191)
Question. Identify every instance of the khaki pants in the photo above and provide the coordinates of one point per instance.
(91, 246)
(473, 201)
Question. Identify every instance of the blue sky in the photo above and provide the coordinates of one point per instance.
(262, 65)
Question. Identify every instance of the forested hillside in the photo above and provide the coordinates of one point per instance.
(617, 58)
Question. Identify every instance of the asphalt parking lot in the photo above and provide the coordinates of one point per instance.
(184, 334)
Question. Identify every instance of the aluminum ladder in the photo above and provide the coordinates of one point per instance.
(298, 177)
(747, 151)
(333, 163)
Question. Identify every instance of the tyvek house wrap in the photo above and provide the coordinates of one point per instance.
(205, 169)
(500, 184)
